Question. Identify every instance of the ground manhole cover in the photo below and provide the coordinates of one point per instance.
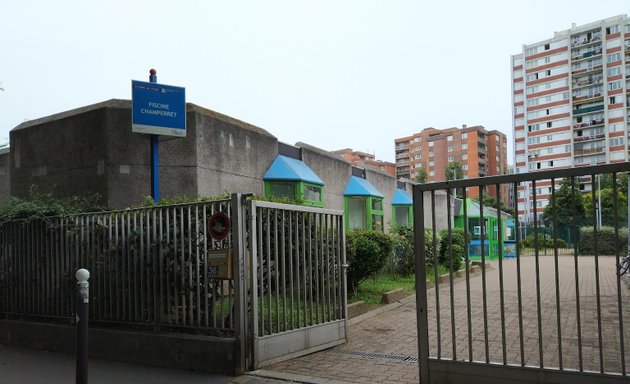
(378, 356)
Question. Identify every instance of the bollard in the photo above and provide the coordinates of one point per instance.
(83, 303)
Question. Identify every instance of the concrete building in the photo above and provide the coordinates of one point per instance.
(478, 151)
(93, 150)
(571, 103)
(366, 160)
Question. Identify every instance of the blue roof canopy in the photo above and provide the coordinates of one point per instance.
(361, 187)
(286, 168)
(401, 198)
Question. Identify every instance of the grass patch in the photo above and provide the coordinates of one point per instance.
(371, 290)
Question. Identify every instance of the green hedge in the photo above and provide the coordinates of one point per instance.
(544, 241)
(605, 241)
(367, 253)
(458, 247)
(403, 260)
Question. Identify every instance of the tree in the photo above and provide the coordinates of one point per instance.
(563, 208)
(608, 205)
(489, 201)
(421, 176)
(454, 171)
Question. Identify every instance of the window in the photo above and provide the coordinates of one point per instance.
(549, 137)
(312, 193)
(612, 100)
(551, 163)
(614, 85)
(549, 72)
(431, 173)
(431, 163)
(531, 51)
(450, 148)
(417, 157)
(449, 138)
(282, 189)
(547, 59)
(616, 141)
(418, 165)
(402, 214)
(533, 140)
(464, 146)
(546, 47)
(430, 153)
(377, 204)
(614, 57)
(549, 124)
(450, 158)
(431, 144)
(614, 71)
(532, 102)
(612, 29)
(464, 157)
(465, 167)
(416, 139)
(464, 135)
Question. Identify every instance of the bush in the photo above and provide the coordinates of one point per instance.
(367, 252)
(404, 258)
(458, 247)
(544, 241)
(37, 205)
(605, 241)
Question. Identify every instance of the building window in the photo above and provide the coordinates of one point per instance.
(416, 139)
(450, 148)
(614, 85)
(465, 157)
(431, 173)
(418, 157)
(465, 167)
(417, 149)
(431, 163)
(612, 29)
(549, 124)
(430, 153)
(282, 189)
(614, 57)
(614, 71)
(449, 138)
(616, 141)
(464, 146)
(464, 135)
(450, 158)
(612, 100)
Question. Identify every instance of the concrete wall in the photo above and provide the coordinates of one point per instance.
(195, 352)
(5, 175)
(232, 156)
(334, 172)
(93, 150)
(60, 154)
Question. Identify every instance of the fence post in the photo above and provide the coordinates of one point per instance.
(239, 263)
(83, 303)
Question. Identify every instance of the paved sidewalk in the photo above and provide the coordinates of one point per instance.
(383, 348)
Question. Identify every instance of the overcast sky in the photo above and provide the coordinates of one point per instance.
(333, 74)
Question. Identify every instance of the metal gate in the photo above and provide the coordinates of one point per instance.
(553, 317)
(297, 281)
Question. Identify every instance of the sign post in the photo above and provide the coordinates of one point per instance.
(157, 109)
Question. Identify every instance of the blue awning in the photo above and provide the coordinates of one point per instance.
(286, 168)
(401, 198)
(361, 187)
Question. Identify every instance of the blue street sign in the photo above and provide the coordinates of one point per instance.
(158, 109)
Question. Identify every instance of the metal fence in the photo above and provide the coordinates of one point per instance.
(538, 317)
(297, 280)
(149, 268)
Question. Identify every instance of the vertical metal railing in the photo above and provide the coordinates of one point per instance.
(561, 310)
(296, 273)
(149, 267)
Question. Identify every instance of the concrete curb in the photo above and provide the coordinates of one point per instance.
(286, 377)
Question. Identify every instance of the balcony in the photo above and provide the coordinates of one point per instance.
(590, 68)
(589, 137)
(585, 55)
(583, 110)
(401, 156)
(588, 151)
(579, 42)
(401, 147)
(589, 97)
(586, 82)
(589, 123)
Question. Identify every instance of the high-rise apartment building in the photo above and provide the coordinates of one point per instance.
(479, 152)
(366, 160)
(571, 103)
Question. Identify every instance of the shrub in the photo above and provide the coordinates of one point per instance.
(367, 252)
(37, 205)
(605, 241)
(544, 241)
(458, 247)
(404, 258)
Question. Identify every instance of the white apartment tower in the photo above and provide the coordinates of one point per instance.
(571, 102)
